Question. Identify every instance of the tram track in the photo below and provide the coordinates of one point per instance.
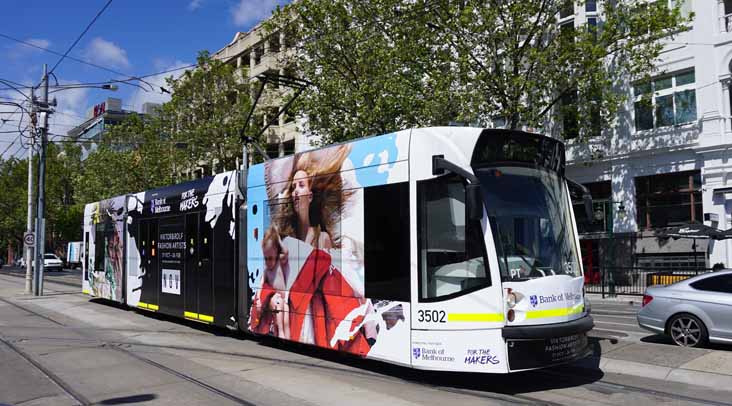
(65, 387)
(600, 386)
(54, 280)
(80, 398)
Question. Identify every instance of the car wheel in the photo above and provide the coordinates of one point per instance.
(688, 331)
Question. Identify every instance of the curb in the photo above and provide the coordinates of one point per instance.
(668, 374)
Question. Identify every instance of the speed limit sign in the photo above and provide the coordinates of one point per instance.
(29, 239)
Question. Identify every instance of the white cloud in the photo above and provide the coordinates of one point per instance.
(106, 52)
(194, 4)
(39, 42)
(247, 12)
(21, 50)
(156, 96)
(70, 109)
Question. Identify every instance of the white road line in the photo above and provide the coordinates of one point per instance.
(614, 313)
(614, 316)
(618, 324)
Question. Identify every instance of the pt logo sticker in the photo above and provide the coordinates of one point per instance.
(416, 352)
(534, 300)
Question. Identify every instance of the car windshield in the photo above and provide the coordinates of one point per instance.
(528, 210)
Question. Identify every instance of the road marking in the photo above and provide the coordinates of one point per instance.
(614, 316)
(618, 324)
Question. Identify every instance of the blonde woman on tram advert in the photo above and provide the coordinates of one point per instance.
(308, 300)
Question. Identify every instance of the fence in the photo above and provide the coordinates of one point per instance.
(634, 280)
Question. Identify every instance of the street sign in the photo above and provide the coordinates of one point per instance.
(29, 239)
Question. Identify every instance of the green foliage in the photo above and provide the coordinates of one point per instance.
(206, 112)
(383, 65)
(199, 126)
(14, 184)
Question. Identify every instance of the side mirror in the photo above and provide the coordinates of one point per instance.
(578, 188)
(474, 202)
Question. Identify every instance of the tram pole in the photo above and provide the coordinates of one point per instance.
(40, 223)
(29, 220)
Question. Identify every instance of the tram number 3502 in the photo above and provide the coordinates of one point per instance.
(431, 316)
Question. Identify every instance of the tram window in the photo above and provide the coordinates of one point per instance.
(86, 256)
(386, 241)
(451, 248)
(99, 247)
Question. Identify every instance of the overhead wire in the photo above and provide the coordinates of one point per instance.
(95, 65)
(80, 36)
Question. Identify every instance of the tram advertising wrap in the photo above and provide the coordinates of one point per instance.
(103, 267)
(309, 259)
(450, 249)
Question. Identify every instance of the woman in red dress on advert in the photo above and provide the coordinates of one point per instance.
(309, 300)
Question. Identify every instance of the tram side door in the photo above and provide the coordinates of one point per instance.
(198, 282)
(149, 256)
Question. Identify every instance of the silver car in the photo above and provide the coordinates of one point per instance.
(693, 312)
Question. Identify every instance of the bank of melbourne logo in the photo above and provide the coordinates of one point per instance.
(416, 352)
(534, 300)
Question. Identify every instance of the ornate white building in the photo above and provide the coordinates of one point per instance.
(667, 163)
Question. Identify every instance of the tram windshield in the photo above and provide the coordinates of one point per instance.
(528, 210)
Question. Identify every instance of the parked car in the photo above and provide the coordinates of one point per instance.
(51, 262)
(692, 312)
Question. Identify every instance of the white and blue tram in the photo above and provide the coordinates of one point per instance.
(448, 248)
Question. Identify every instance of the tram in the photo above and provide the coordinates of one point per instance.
(448, 248)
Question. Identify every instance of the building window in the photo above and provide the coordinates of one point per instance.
(601, 220)
(665, 101)
(274, 43)
(668, 199)
(258, 53)
(566, 9)
(591, 6)
(570, 115)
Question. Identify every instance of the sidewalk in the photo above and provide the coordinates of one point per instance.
(661, 360)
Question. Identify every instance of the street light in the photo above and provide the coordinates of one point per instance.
(107, 86)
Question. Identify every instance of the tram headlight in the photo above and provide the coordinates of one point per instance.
(511, 299)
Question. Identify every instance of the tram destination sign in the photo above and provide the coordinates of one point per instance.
(525, 354)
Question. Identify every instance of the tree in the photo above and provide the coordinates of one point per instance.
(384, 65)
(132, 156)
(199, 126)
(14, 184)
(207, 110)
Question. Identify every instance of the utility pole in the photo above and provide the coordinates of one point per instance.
(40, 220)
(29, 225)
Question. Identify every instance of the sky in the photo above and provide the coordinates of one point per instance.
(134, 37)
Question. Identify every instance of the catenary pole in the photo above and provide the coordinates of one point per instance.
(40, 220)
(29, 225)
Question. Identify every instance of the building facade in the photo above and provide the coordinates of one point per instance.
(260, 53)
(667, 159)
(100, 117)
